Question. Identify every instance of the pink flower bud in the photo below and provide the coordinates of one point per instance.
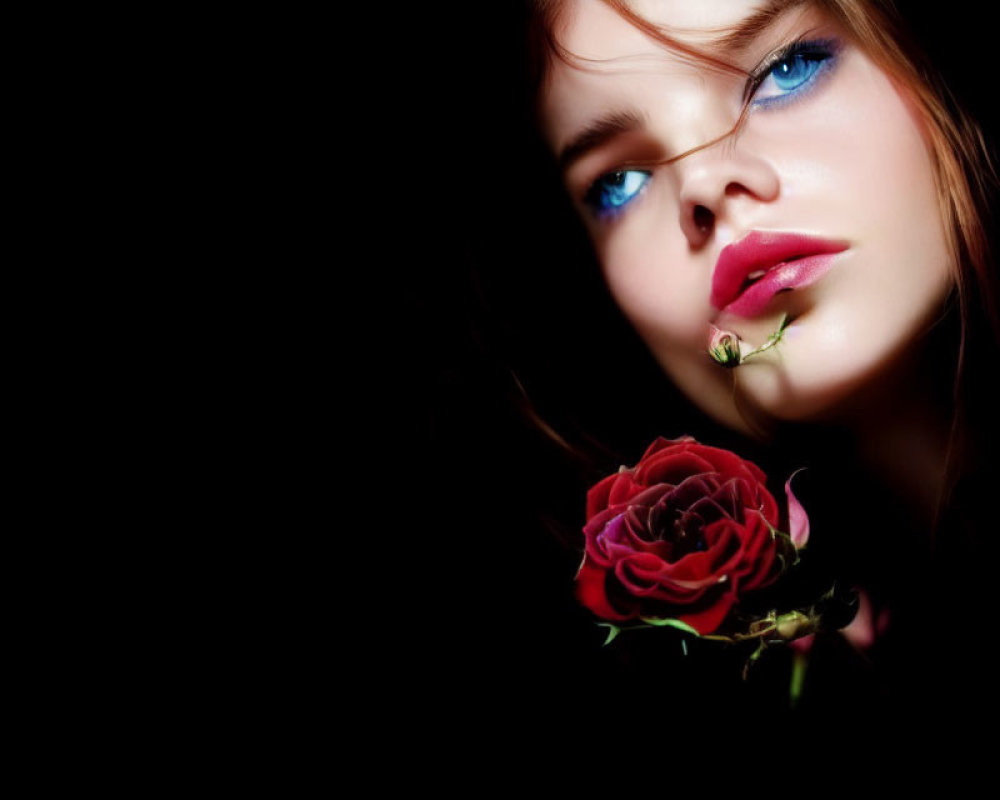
(724, 347)
(798, 520)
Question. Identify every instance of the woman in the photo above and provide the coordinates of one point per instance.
(700, 145)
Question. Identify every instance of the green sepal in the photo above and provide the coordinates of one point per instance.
(670, 622)
(829, 593)
(753, 657)
(725, 358)
(775, 533)
(613, 631)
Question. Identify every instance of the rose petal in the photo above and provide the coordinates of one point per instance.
(694, 489)
(597, 497)
(672, 467)
(728, 463)
(798, 520)
(652, 495)
(725, 546)
(711, 618)
(599, 538)
(662, 443)
(760, 560)
(647, 577)
(623, 490)
(591, 592)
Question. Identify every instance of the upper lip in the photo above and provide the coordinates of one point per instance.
(761, 250)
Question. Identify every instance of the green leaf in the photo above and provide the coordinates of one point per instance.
(670, 622)
(613, 631)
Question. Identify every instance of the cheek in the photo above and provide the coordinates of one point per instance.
(664, 294)
(651, 278)
(862, 168)
(898, 215)
(865, 170)
(889, 170)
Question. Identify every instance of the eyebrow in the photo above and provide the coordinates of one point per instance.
(616, 123)
(750, 28)
(603, 129)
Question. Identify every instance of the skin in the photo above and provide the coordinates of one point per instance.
(846, 160)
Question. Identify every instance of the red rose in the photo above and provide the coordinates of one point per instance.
(682, 535)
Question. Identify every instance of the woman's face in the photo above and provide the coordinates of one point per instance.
(829, 182)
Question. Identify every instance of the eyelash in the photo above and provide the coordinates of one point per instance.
(819, 56)
(603, 197)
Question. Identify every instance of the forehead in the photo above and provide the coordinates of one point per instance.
(621, 61)
(697, 14)
(593, 29)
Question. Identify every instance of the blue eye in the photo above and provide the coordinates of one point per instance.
(612, 192)
(793, 71)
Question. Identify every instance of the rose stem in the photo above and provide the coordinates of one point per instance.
(772, 340)
(799, 664)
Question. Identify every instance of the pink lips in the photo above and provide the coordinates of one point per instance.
(791, 260)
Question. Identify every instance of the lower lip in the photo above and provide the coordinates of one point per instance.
(795, 274)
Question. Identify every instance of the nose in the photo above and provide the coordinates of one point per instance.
(716, 180)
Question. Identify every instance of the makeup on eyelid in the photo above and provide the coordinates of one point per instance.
(794, 71)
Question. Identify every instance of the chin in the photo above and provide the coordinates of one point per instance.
(818, 388)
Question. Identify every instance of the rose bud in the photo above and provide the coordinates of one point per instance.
(724, 348)
(794, 624)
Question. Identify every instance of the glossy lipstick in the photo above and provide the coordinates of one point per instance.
(788, 260)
